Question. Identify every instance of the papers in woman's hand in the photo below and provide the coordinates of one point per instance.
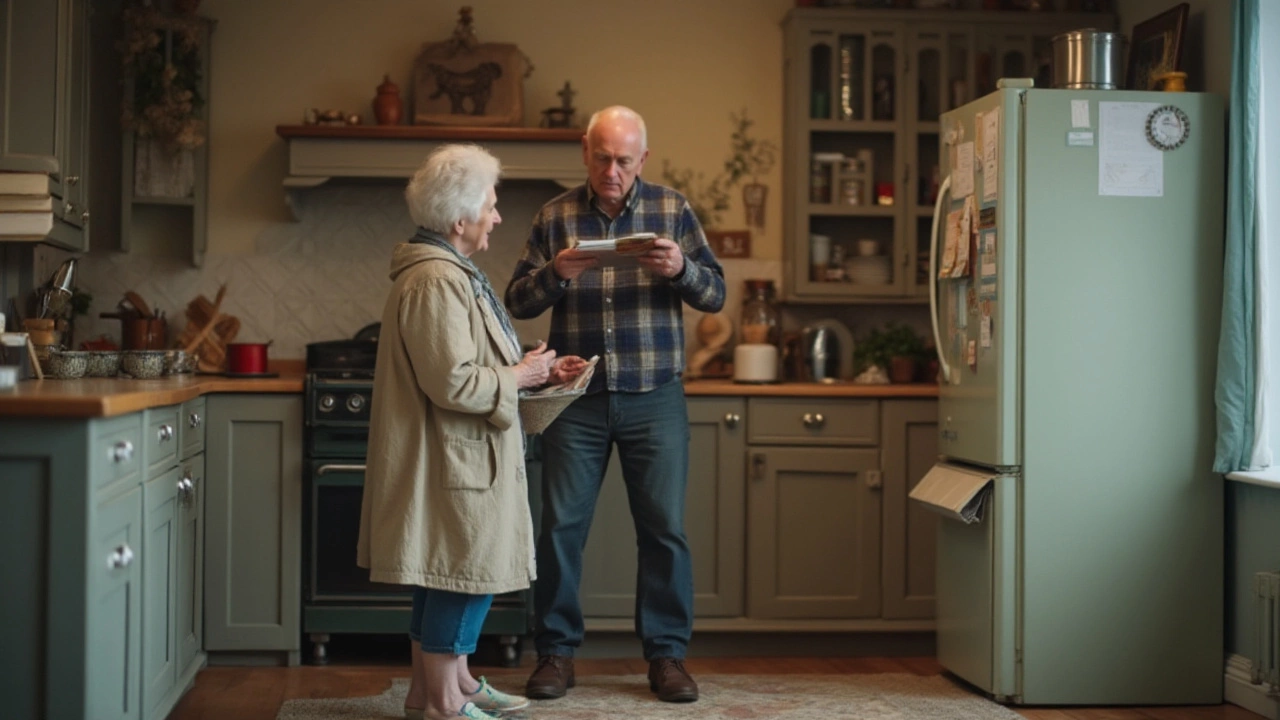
(618, 252)
(573, 385)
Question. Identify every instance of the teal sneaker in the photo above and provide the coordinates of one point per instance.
(469, 710)
(489, 699)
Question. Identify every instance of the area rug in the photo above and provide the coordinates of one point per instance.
(723, 697)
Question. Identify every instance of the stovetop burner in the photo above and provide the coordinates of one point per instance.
(345, 358)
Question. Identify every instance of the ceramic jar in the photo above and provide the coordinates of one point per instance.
(387, 106)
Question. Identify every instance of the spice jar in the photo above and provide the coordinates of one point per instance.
(760, 316)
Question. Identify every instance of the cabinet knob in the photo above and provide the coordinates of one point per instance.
(84, 217)
(165, 432)
(814, 421)
(121, 557)
(73, 179)
(67, 209)
(122, 451)
(875, 479)
(194, 420)
(186, 490)
(732, 419)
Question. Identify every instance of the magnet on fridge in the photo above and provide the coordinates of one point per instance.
(972, 355)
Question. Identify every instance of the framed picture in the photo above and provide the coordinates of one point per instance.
(477, 86)
(1156, 47)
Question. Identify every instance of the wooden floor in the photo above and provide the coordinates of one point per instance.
(247, 693)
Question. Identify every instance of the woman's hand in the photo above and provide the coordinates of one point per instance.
(535, 367)
(566, 368)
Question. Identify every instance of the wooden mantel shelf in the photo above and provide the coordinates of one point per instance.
(431, 132)
(320, 153)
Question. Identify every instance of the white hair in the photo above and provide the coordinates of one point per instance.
(451, 185)
(622, 112)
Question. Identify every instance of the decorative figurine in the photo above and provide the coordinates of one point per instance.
(561, 117)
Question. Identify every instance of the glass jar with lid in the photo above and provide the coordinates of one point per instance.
(760, 316)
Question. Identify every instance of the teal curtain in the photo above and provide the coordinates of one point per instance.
(1237, 346)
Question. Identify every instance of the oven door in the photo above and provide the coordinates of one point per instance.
(334, 491)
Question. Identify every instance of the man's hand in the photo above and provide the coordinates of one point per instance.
(566, 368)
(569, 264)
(664, 259)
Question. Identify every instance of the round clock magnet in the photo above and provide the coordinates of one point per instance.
(1168, 127)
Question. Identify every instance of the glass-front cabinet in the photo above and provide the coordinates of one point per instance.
(864, 91)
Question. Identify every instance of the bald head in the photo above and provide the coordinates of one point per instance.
(614, 150)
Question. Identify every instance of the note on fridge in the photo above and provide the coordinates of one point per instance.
(990, 154)
(1128, 165)
(1079, 113)
(962, 179)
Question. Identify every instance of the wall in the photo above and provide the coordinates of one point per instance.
(273, 61)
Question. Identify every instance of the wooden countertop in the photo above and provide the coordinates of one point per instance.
(803, 389)
(94, 397)
(105, 397)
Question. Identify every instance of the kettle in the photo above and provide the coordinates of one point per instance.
(826, 348)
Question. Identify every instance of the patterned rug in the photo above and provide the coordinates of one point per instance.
(723, 697)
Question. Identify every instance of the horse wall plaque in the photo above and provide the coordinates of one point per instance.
(462, 81)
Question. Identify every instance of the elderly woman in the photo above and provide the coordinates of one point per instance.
(445, 498)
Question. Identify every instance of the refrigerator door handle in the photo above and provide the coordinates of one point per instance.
(943, 189)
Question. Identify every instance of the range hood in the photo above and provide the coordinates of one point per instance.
(319, 153)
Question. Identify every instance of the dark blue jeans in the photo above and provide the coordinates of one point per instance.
(651, 432)
(447, 622)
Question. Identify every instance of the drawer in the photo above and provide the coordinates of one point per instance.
(117, 453)
(160, 438)
(191, 426)
(813, 421)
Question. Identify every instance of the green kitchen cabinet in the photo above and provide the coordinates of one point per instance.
(71, 500)
(113, 616)
(908, 450)
(714, 516)
(253, 534)
(159, 575)
(189, 584)
(813, 550)
(44, 106)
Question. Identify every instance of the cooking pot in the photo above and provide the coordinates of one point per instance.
(1088, 59)
(247, 358)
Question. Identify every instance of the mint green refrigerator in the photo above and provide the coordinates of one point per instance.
(1077, 263)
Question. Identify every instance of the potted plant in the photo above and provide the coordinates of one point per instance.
(896, 349)
(751, 158)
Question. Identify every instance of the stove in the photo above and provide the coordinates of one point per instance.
(338, 596)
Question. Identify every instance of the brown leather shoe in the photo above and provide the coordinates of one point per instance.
(671, 681)
(551, 679)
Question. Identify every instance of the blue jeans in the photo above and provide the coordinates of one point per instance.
(651, 431)
(447, 622)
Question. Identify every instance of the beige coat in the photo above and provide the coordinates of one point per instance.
(445, 495)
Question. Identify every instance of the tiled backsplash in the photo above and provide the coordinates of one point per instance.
(325, 276)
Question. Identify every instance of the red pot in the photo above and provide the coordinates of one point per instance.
(247, 358)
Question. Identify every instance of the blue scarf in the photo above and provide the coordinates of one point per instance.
(479, 283)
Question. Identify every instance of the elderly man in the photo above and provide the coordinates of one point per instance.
(632, 318)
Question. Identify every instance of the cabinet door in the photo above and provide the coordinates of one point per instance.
(253, 533)
(71, 231)
(190, 565)
(713, 521)
(910, 531)
(813, 544)
(33, 54)
(942, 68)
(160, 540)
(113, 680)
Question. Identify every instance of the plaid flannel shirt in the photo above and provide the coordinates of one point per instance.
(629, 317)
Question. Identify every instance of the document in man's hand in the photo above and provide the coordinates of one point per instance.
(618, 252)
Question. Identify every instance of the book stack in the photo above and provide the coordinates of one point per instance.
(26, 207)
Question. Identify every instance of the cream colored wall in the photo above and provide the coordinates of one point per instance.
(684, 65)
